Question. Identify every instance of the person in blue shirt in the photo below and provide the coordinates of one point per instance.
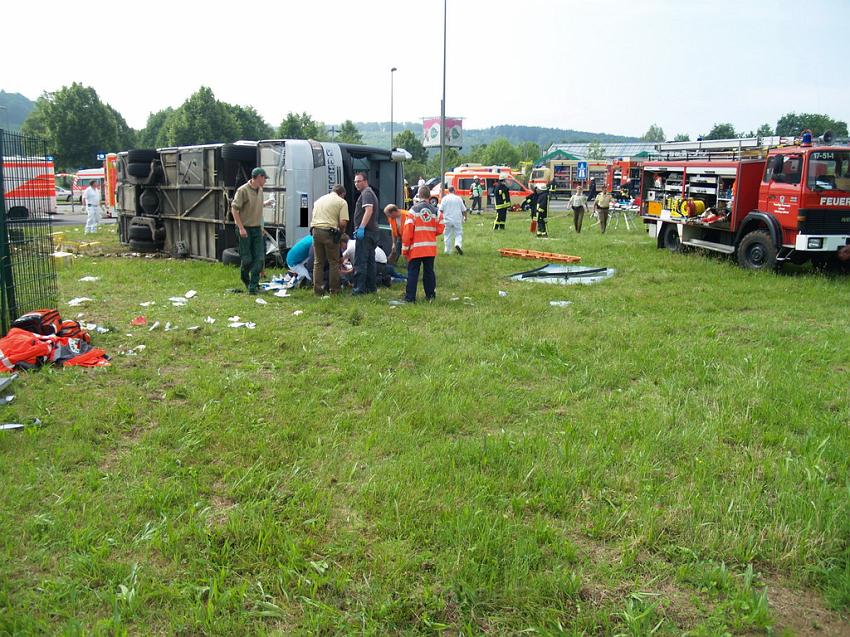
(298, 257)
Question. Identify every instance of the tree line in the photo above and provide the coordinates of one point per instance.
(78, 125)
(788, 125)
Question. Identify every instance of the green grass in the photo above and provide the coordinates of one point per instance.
(667, 455)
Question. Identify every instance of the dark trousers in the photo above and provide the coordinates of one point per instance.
(603, 218)
(252, 254)
(476, 203)
(541, 224)
(578, 217)
(429, 278)
(365, 270)
(501, 216)
(326, 252)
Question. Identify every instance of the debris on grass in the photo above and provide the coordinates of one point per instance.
(139, 321)
(565, 274)
(262, 302)
(233, 319)
(190, 294)
(80, 300)
(502, 293)
(298, 313)
(90, 278)
(147, 303)
(20, 425)
(281, 293)
(154, 326)
(209, 320)
(560, 303)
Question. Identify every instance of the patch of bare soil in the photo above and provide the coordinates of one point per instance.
(803, 613)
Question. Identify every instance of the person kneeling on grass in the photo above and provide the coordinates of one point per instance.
(419, 246)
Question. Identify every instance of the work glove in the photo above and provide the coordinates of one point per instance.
(359, 233)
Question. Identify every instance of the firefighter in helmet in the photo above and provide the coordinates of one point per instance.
(541, 204)
(502, 196)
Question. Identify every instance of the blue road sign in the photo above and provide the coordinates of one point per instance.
(581, 170)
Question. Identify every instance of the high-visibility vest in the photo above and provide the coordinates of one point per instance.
(397, 225)
(420, 232)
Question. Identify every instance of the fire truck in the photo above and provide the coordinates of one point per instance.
(178, 199)
(561, 176)
(29, 186)
(624, 176)
(765, 200)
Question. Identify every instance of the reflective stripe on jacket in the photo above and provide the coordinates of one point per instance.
(421, 228)
(503, 197)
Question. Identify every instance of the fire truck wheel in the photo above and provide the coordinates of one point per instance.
(756, 251)
(239, 153)
(139, 169)
(670, 238)
(141, 156)
(230, 256)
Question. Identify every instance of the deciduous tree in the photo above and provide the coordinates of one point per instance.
(795, 123)
(654, 134)
(349, 134)
(721, 131)
(408, 140)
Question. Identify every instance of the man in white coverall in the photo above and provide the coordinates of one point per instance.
(91, 198)
(454, 214)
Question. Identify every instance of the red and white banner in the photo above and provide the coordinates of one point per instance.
(431, 132)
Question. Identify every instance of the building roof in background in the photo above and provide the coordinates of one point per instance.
(611, 150)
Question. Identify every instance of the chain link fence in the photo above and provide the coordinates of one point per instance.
(27, 199)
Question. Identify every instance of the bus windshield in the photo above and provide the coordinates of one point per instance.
(829, 170)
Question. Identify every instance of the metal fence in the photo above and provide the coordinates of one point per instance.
(27, 198)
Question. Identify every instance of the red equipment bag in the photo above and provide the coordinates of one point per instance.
(72, 329)
(44, 322)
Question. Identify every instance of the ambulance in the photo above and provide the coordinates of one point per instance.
(462, 182)
(29, 186)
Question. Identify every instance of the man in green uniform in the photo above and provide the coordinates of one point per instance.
(247, 209)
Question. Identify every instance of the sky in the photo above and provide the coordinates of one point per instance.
(612, 66)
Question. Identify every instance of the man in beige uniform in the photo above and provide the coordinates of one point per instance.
(330, 217)
(601, 205)
(247, 209)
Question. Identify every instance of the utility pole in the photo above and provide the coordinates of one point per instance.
(443, 110)
(392, 88)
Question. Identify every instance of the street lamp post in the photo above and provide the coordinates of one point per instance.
(392, 75)
(443, 110)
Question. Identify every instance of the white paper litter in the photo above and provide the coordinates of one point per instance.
(250, 325)
(90, 278)
(168, 326)
(190, 294)
(455, 298)
(262, 302)
(282, 293)
(78, 301)
(502, 293)
(233, 319)
(194, 328)
(236, 324)
(153, 327)
(560, 303)
(209, 320)
(298, 313)
(147, 303)
(178, 300)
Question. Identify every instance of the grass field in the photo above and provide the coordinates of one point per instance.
(668, 455)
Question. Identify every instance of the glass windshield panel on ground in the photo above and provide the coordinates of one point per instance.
(829, 170)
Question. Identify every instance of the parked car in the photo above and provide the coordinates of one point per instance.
(63, 194)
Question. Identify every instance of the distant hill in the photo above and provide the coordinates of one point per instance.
(17, 107)
(378, 134)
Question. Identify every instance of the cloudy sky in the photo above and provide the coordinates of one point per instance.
(615, 66)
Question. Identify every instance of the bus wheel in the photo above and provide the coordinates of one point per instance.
(670, 238)
(757, 252)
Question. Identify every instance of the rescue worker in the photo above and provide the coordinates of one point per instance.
(408, 195)
(247, 210)
(542, 210)
(502, 196)
(530, 202)
(476, 195)
(396, 220)
(419, 246)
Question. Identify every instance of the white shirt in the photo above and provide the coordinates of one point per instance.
(452, 208)
(92, 197)
(578, 201)
(380, 255)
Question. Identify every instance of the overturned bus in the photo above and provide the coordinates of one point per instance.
(178, 199)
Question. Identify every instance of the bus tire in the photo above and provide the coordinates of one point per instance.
(140, 233)
(670, 238)
(138, 169)
(141, 156)
(145, 246)
(230, 256)
(756, 251)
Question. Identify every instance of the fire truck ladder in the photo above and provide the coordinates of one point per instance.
(721, 149)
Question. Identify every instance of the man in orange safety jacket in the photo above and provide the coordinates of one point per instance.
(419, 246)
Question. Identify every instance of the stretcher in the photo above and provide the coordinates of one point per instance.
(552, 257)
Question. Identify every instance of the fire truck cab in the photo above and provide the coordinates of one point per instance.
(767, 201)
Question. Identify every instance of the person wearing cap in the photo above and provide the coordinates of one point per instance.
(247, 209)
(502, 196)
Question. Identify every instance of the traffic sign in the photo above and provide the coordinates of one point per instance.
(581, 170)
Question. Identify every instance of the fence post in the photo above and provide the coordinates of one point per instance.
(8, 286)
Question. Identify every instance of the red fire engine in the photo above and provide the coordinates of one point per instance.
(765, 200)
